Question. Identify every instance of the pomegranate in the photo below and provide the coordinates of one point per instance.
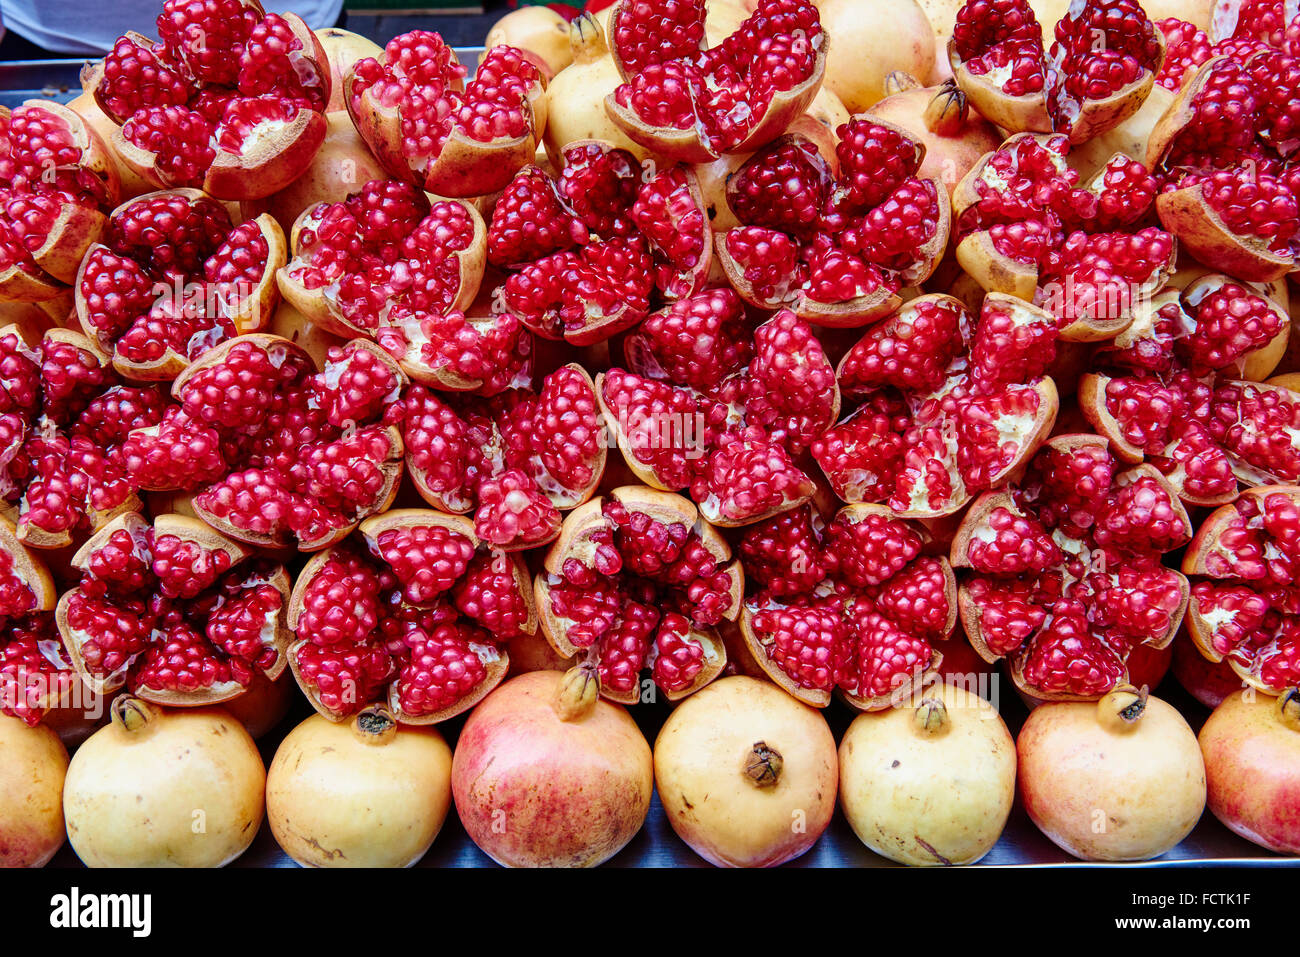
(174, 277)
(1130, 137)
(638, 580)
(35, 674)
(869, 39)
(1065, 569)
(746, 774)
(835, 249)
(943, 413)
(1243, 607)
(850, 606)
(31, 782)
(413, 611)
(173, 611)
(427, 126)
(941, 120)
(536, 30)
(162, 788)
(724, 412)
(370, 793)
(288, 323)
(84, 105)
(1118, 780)
(931, 784)
(1148, 665)
(343, 49)
(263, 705)
(1264, 21)
(231, 100)
(534, 653)
(1250, 745)
(1206, 681)
(547, 775)
(57, 181)
(1097, 73)
(690, 102)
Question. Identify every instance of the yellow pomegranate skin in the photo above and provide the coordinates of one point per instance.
(33, 764)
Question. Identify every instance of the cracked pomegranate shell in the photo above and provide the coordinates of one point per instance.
(173, 611)
(638, 581)
(1063, 572)
(941, 408)
(57, 182)
(1244, 606)
(35, 673)
(1095, 74)
(231, 100)
(690, 102)
(431, 128)
(715, 407)
(173, 277)
(837, 248)
(413, 611)
(850, 606)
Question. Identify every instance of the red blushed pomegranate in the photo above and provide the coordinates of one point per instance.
(940, 117)
(231, 100)
(1206, 681)
(638, 580)
(427, 126)
(1097, 72)
(31, 808)
(546, 774)
(1026, 226)
(133, 787)
(747, 774)
(1223, 151)
(277, 454)
(834, 248)
(869, 41)
(539, 31)
(690, 102)
(369, 793)
(1244, 607)
(591, 247)
(57, 180)
(1251, 747)
(1118, 780)
(1065, 570)
(711, 407)
(850, 606)
(931, 783)
(942, 412)
(174, 612)
(414, 611)
(516, 461)
(173, 277)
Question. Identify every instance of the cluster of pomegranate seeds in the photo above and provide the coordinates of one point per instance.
(638, 581)
(174, 277)
(430, 128)
(412, 611)
(835, 249)
(714, 406)
(943, 411)
(231, 100)
(1244, 603)
(35, 672)
(515, 460)
(1065, 572)
(852, 605)
(692, 103)
(173, 611)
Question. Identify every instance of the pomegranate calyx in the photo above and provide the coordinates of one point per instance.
(763, 765)
(577, 692)
(375, 725)
(1288, 708)
(1122, 709)
(132, 714)
(931, 717)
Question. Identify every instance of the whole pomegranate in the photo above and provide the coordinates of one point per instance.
(31, 793)
(1251, 746)
(931, 784)
(1207, 681)
(546, 774)
(164, 788)
(263, 706)
(536, 30)
(747, 775)
(370, 793)
(343, 48)
(1118, 780)
(869, 40)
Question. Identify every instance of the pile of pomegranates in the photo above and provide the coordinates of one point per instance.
(704, 364)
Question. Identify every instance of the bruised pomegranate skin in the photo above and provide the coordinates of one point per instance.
(1252, 769)
(747, 775)
(31, 789)
(534, 790)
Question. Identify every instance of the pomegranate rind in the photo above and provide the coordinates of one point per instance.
(1186, 214)
(28, 567)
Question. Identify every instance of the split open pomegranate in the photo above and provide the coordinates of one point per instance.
(414, 610)
(232, 100)
(35, 673)
(639, 580)
(1065, 573)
